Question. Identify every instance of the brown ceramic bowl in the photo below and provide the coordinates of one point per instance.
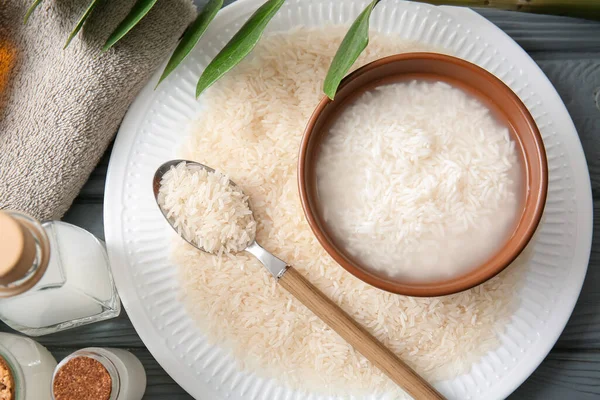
(488, 89)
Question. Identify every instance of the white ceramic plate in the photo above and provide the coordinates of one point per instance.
(138, 238)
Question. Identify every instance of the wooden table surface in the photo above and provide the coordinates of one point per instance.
(568, 51)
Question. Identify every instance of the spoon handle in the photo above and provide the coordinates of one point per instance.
(357, 336)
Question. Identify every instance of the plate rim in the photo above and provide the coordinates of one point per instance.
(113, 209)
(583, 249)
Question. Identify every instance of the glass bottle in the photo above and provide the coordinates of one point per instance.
(127, 377)
(53, 276)
(26, 368)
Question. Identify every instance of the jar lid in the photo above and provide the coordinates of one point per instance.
(20, 237)
(17, 249)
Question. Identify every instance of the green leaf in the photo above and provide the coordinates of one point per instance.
(240, 45)
(353, 44)
(30, 10)
(81, 21)
(191, 36)
(139, 10)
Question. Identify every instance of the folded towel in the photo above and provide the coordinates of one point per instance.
(59, 109)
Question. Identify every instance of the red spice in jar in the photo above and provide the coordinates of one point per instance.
(7, 383)
(82, 378)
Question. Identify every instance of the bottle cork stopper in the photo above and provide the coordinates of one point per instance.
(17, 249)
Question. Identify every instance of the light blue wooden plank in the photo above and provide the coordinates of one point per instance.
(543, 33)
(87, 215)
(563, 376)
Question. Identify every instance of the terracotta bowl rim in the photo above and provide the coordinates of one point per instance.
(476, 276)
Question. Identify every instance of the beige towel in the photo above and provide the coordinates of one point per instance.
(59, 109)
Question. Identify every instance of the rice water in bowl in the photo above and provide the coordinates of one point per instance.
(418, 180)
(425, 176)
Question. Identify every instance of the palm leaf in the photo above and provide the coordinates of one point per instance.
(81, 21)
(139, 10)
(240, 45)
(30, 10)
(354, 43)
(191, 36)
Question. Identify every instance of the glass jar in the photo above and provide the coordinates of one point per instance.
(30, 367)
(53, 276)
(126, 375)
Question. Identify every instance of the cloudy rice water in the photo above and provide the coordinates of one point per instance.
(419, 180)
(251, 127)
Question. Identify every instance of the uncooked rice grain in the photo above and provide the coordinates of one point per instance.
(206, 209)
(250, 128)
